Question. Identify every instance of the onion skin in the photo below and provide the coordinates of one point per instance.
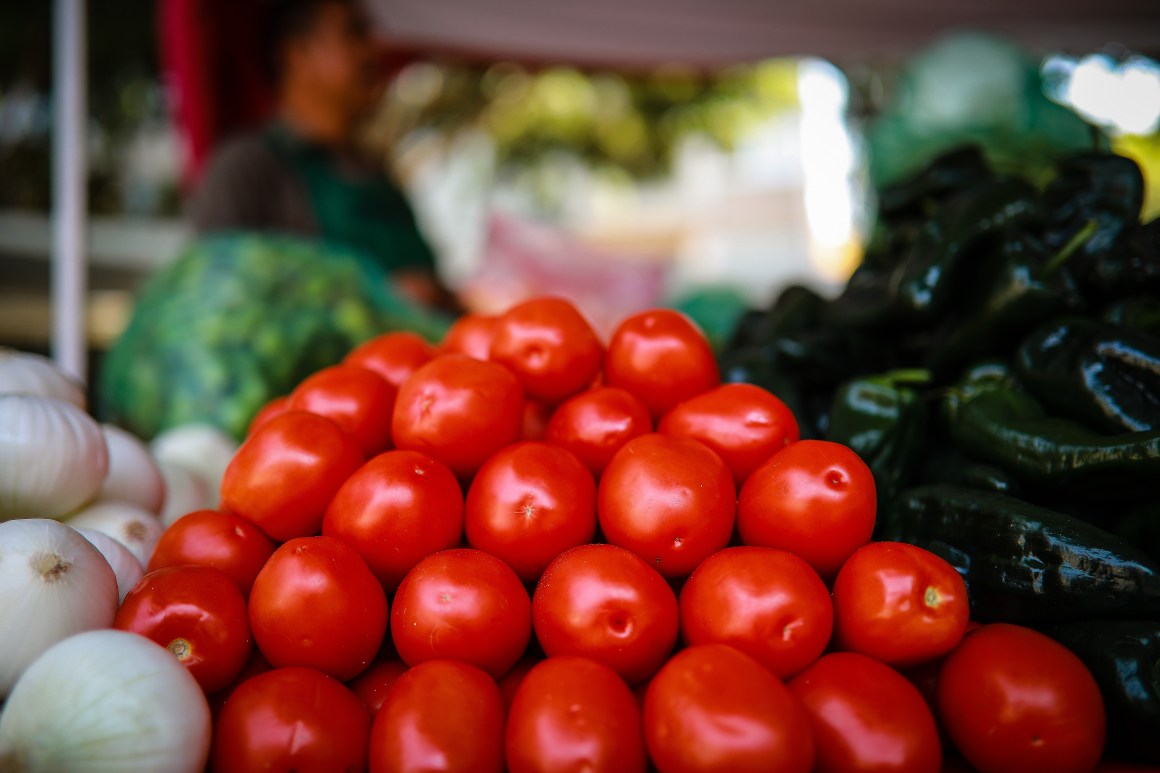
(203, 449)
(125, 565)
(24, 373)
(185, 492)
(133, 527)
(133, 475)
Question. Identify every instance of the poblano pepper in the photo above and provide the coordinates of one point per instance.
(1129, 267)
(1106, 188)
(1141, 312)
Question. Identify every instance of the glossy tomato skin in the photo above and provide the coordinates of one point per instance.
(768, 603)
(604, 603)
(198, 614)
(394, 356)
(284, 476)
(470, 335)
(316, 604)
(356, 399)
(373, 685)
(272, 409)
(465, 605)
(813, 498)
(899, 604)
(218, 540)
(527, 504)
(1013, 699)
(459, 411)
(594, 425)
(714, 708)
(510, 682)
(668, 499)
(440, 715)
(867, 717)
(574, 714)
(291, 719)
(396, 510)
(662, 358)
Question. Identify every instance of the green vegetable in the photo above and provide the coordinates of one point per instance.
(948, 465)
(796, 308)
(1099, 187)
(1141, 312)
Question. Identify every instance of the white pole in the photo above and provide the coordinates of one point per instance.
(69, 277)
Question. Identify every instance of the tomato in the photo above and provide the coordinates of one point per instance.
(372, 685)
(470, 335)
(465, 605)
(662, 358)
(866, 717)
(272, 409)
(899, 604)
(574, 714)
(291, 720)
(510, 682)
(394, 356)
(714, 708)
(396, 510)
(283, 477)
(813, 498)
(459, 411)
(603, 602)
(219, 540)
(316, 604)
(535, 422)
(358, 400)
(441, 715)
(767, 603)
(198, 614)
(529, 503)
(594, 425)
(743, 423)
(668, 499)
(254, 666)
(1013, 699)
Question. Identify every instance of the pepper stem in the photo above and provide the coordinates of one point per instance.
(1079, 239)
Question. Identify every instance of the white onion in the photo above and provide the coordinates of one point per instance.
(133, 475)
(125, 565)
(185, 491)
(204, 449)
(53, 457)
(24, 373)
(105, 702)
(53, 584)
(133, 527)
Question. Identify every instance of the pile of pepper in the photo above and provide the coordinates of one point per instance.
(996, 361)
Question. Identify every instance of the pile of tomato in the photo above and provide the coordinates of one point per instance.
(526, 550)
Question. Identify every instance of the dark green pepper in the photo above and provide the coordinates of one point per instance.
(1131, 266)
(796, 308)
(761, 366)
(866, 302)
(1140, 526)
(947, 173)
(1108, 189)
(948, 465)
(1141, 312)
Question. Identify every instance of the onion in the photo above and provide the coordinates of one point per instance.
(128, 524)
(185, 491)
(105, 702)
(53, 457)
(53, 584)
(125, 565)
(133, 475)
(23, 373)
(204, 449)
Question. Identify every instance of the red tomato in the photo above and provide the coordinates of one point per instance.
(813, 498)
(396, 510)
(866, 717)
(284, 476)
(767, 603)
(668, 499)
(394, 356)
(219, 540)
(254, 666)
(272, 409)
(594, 425)
(1013, 699)
(459, 411)
(316, 604)
(465, 605)
(604, 603)
(358, 400)
(441, 715)
(535, 423)
(291, 719)
(471, 335)
(899, 604)
(550, 347)
(574, 714)
(510, 682)
(714, 708)
(198, 614)
(662, 358)
(372, 685)
(528, 504)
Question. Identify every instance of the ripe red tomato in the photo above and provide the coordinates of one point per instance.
(867, 717)
(662, 358)
(284, 476)
(714, 708)
(465, 605)
(1013, 699)
(198, 614)
(396, 510)
(813, 498)
(668, 499)
(510, 682)
(768, 603)
(470, 335)
(594, 425)
(440, 715)
(603, 602)
(254, 666)
(459, 411)
(219, 540)
(743, 423)
(574, 714)
(535, 424)
(372, 685)
(358, 400)
(291, 719)
(899, 604)
(272, 409)
(394, 356)
(528, 504)
(550, 347)
(316, 604)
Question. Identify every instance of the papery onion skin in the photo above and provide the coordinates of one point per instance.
(125, 565)
(133, 475)
(133, 527)
(204, 449)
(24, 373)
(186, 491)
